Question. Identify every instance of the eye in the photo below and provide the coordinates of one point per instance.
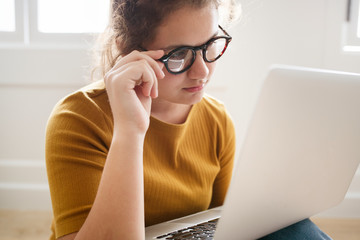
(180, 54)
(215, 49)
(180, 60)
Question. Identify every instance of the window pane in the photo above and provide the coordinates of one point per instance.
(7, 15)
(72, 16)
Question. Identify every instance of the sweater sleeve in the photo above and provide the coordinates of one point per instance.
(77, 140)
(226, 159)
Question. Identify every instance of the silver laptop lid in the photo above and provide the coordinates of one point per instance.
(300, 154)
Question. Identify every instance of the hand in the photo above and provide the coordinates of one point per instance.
(131, 84)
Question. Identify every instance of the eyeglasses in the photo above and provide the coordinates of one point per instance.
(182, 58)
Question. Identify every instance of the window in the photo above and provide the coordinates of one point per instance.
(7, 15)
(352, 27)
(11, 18)
(69, 16)
(65, 22)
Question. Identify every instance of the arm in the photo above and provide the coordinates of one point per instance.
(226, 159)
(117, 212)
(118, 208)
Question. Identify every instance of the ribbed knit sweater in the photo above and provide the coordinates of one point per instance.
(187, 167)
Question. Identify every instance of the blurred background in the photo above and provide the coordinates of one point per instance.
(45, 54)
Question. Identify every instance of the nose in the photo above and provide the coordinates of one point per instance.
(199, 69)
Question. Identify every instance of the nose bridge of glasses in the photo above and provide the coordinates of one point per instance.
(200, 59)
(202, 50)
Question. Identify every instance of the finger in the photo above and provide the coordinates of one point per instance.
(128, 70)
(136, 74)
(154, 54)
(159, 53)
(149, 81)
(154, 89)
(139, 74)
(130, 75)
(150, 56)
(156, 65)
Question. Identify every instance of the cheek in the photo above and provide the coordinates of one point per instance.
(168, 82)
(211, 67)
(171, 79)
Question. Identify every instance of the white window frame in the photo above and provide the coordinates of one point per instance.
(351, 25)
(77, 39)
(18, 35)
(27, 34)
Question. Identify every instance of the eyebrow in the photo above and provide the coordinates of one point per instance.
(172, 47)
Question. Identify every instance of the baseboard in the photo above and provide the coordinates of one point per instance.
(23, 186)
(24, 197)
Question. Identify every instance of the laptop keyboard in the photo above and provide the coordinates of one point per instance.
(202, 231)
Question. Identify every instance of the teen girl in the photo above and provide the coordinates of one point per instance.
(145, 144)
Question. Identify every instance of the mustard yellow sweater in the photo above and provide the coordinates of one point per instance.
(187, 167)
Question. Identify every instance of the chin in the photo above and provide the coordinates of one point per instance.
(195, 98)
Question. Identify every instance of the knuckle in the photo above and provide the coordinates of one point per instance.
(143, 61)
(108, 77)
(134, 53)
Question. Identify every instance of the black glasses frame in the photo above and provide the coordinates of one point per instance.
(164, 59)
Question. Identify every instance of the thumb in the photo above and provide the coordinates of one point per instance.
(155, 54)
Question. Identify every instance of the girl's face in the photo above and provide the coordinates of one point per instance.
(186, 27)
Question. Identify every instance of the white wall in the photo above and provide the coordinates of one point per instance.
(302, 32)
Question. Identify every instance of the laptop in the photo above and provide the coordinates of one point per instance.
(298, 158)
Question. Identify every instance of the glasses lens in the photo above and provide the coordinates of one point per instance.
(180, 60)
(215, 49)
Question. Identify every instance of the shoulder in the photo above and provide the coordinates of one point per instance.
(90, 97)
(220, 123)
(212, 103)
(212, 113)
(86, 105)
(93, 94)
(214, 108)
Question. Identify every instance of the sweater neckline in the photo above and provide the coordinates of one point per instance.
(164, 126)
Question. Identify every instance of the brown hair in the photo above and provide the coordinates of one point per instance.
(133, 23)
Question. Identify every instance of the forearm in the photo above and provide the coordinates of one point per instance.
(118, 209)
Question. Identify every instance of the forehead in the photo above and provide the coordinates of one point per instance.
(186, 26)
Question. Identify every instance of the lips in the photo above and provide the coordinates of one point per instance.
(195, 88)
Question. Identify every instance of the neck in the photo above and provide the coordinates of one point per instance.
(170, 112)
